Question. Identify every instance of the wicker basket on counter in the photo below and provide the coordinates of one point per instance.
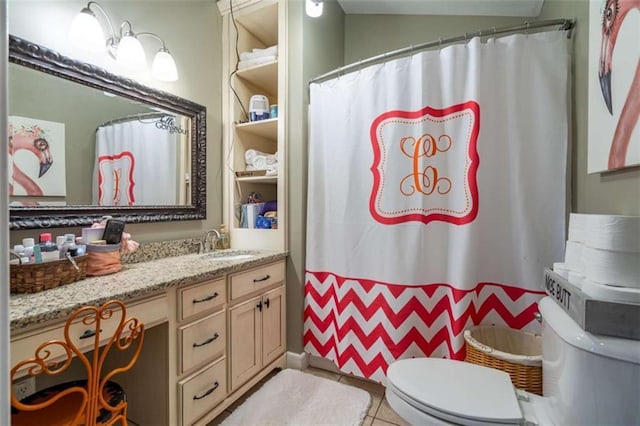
(513, 351)
(35, 277)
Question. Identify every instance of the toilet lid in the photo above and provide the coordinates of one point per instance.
(446, 388)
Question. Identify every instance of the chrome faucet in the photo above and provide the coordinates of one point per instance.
(209, 242)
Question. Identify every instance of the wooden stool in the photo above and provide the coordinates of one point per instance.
(95, 400)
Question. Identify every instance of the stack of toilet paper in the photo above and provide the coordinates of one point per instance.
(602, 256)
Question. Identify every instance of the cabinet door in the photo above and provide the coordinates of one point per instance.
(246, 335)
(273, 325)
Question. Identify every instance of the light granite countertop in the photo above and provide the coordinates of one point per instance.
(135, 281)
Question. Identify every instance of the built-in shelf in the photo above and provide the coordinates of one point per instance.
(258, 179)
(264, 76)
(264, 128)
(262, 24)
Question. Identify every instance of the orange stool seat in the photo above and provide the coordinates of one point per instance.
(96, 400)
(64, 411)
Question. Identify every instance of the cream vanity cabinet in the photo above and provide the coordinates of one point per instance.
(201, 337)
(230, 332)
(256, 321)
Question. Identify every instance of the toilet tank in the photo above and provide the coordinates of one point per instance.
(587, 379)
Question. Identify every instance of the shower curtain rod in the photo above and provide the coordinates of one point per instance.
(134, 117)
(565, 25)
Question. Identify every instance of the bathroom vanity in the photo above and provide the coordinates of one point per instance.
(214, 327)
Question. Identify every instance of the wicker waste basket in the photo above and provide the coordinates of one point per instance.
(516, 352)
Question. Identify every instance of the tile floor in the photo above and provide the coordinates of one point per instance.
(380, 413)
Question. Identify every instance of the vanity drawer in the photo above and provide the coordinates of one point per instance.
(200, 392)
(201, 297)
(256, 279)
(150, 312)
(202, 340)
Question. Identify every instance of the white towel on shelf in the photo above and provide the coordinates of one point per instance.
(248, 63)
(258, 160)
(259, 53)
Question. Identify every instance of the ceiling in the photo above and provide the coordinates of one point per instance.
(528, 8)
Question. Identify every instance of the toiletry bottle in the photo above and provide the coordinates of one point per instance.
(69, 246)
(37, 254)
(82, 248)
(223, 242)
(48, 249)
(19, 250)
(28, 244)
(60, 239)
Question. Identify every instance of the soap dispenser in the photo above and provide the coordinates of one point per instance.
(223, 242)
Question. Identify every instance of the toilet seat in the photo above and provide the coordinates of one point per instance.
(454, 391)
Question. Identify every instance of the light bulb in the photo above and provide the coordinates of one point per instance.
(130, 54)
(164, 67)
(313, 8)
(86, 32)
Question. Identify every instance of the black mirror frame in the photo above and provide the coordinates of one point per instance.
(40, 58)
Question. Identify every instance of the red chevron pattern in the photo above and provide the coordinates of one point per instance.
(363, 325)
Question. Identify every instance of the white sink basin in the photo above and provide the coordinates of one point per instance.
(228, 256)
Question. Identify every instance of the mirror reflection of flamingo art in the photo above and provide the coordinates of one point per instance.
(613, 15)
(32, 140)
(31, 146)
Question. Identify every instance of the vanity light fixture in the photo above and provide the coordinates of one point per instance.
(313, 8)
(125, 47)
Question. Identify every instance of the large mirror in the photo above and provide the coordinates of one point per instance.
(84, 143)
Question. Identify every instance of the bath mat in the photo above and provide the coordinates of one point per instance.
(292, 397)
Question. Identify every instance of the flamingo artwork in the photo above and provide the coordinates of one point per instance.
(31, 139)
(614, 13)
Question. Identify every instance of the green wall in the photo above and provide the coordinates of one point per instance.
(604, 193)
(320, 42)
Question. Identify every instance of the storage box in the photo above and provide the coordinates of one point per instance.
(607, 318)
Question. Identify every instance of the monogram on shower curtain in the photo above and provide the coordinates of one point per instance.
(136, 164)
(436, 197)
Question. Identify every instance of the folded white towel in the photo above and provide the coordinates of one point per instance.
(271, 170)
(254, 62)
(253, 155)
(258, 53)
(258, 160)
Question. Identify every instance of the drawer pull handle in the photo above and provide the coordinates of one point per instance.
(266, 303)
(206, 342)
(259, 306)
(257, 280)
(88, 333)
(207, 393)
(206, 299)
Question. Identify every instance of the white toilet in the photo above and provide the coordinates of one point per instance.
(587, 380)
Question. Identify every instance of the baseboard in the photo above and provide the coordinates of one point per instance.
(323, 363)
(297, 361)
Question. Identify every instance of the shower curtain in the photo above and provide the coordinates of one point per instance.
(135, 164)
(436, 196)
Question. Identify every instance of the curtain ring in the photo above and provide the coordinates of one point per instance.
(526, 31)
(440, 40)
(465, 36)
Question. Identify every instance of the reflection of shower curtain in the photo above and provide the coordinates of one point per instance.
(135, 165)
(436, 197)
